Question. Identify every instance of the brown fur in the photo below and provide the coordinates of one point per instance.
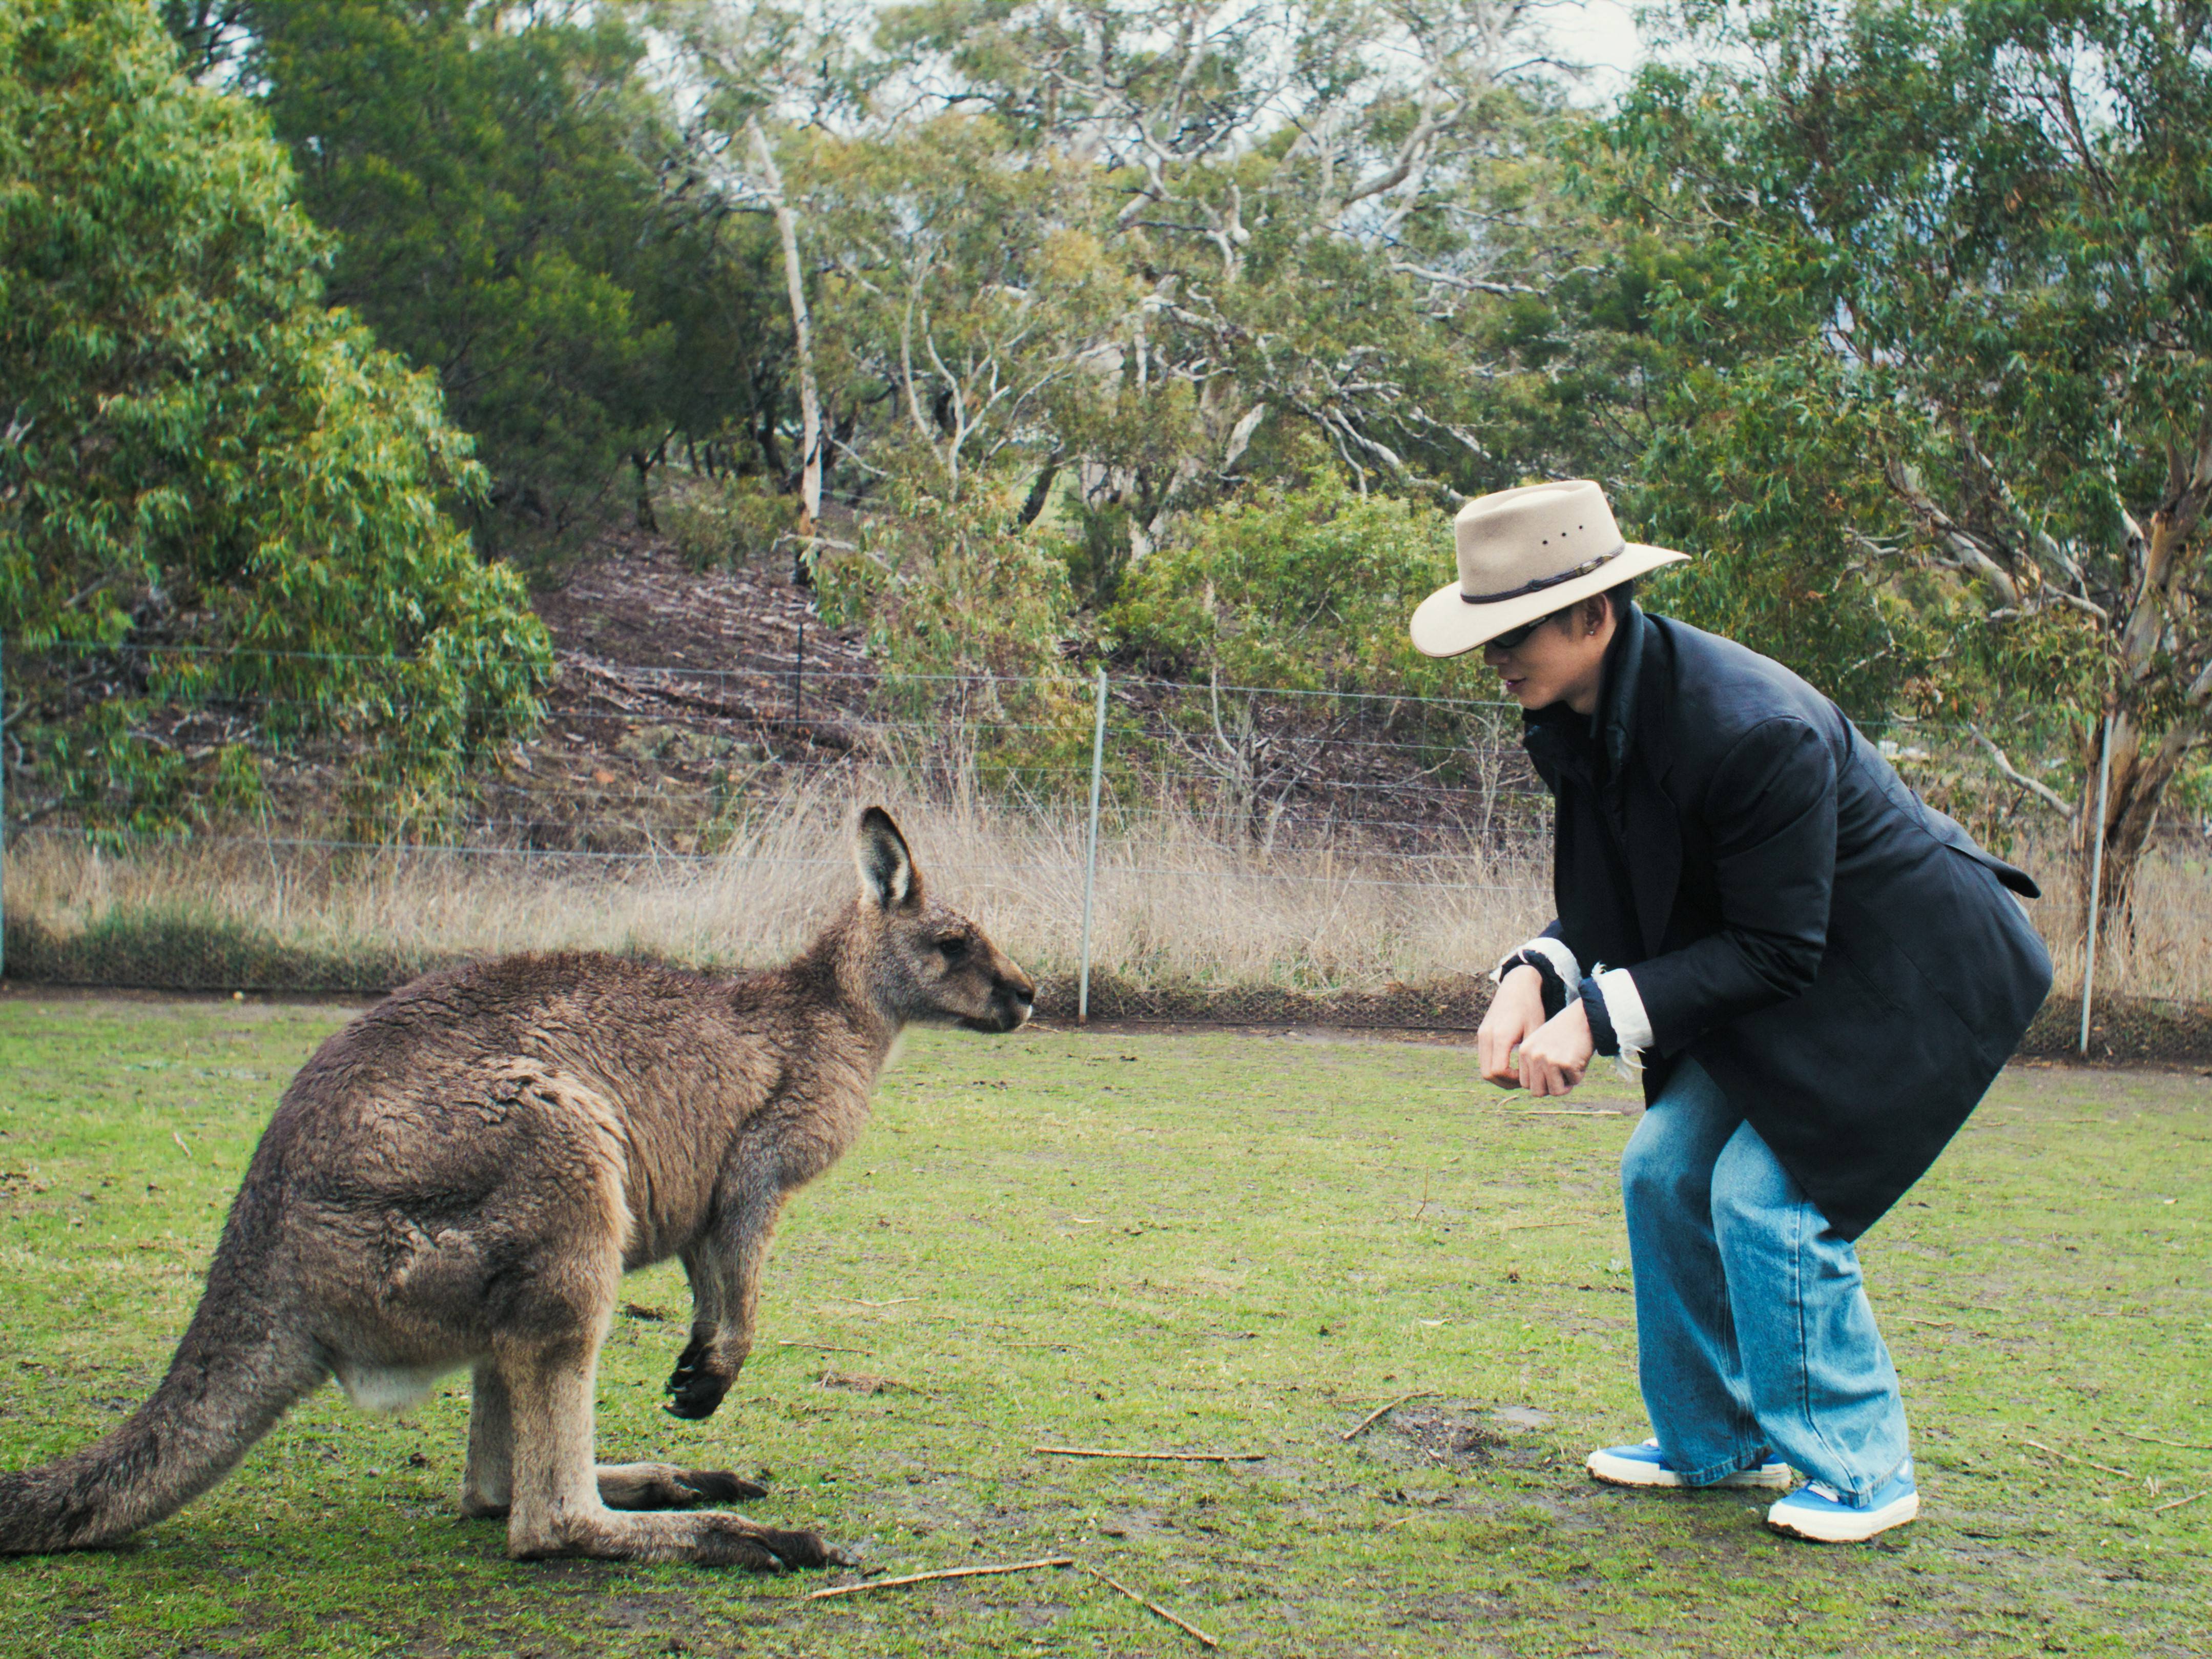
(460, 1177)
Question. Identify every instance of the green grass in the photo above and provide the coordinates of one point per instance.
(1211, 1241)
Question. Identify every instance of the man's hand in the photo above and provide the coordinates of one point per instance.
(1517, 1014)
(1554, 1059)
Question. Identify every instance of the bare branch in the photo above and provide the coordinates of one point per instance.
(1240, 436)
(2012, 773)
(1964, 551)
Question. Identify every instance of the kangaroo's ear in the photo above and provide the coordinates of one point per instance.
(888, 877)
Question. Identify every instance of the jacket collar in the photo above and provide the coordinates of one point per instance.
(1623, 676)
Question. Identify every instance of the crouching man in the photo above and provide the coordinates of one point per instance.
(1819, 975)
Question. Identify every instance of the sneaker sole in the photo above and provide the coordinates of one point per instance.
(1649, 1477)
(1847, 1526)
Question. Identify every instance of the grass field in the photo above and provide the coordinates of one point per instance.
(1213, 1242)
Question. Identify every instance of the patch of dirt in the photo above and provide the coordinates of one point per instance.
(675, 691)
(865, 1383)
(646, 1613)
(1459, 1436)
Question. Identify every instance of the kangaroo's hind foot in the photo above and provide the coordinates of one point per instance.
(671, 1487)
(633, 1486)
(708, 1538)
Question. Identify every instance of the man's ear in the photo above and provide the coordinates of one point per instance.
(888, 877)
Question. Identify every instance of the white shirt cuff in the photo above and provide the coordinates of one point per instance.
(1624, 1006)
(1559, 956)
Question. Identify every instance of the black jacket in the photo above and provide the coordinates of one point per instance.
(1842, 958)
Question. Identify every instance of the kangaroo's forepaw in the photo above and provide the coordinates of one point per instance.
(695, 1394)
(697, 1384)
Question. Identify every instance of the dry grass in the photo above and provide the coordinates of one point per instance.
(2162, 948)
(1179, 900)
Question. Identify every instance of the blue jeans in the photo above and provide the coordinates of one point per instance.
(1752, 1327)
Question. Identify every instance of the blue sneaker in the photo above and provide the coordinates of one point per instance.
(1642, 1466)
(1818, 1511)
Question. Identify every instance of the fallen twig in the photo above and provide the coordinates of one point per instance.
(1368, 1421)
(179, 1140)
(942, 1572)
(1576, 1111)
(2178, 1502)
(819, 1347)
(1939, 1324)
(1146, 1601)
(2128, 1474)
(1152, 1456)
(2186, 1445)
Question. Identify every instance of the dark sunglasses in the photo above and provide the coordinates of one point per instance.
(1514, 638)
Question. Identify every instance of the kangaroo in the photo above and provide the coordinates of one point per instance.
(461, 1176)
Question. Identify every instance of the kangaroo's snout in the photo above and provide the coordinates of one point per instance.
(1013, 997)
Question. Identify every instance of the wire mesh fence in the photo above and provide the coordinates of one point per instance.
(1262, 855)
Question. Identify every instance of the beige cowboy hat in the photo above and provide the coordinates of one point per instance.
(1523, 554)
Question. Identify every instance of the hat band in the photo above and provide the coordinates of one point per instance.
(1543, 582)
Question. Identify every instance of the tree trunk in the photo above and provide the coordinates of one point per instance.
(1039, 491)
(2140, 775)
(643, 464)
(802, 326)
(2136, 788)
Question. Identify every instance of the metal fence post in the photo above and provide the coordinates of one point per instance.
(2096, 885)
(1090, 864)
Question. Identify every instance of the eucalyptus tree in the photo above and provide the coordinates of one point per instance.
(1958, 311)
(500, 181)
(1089, 268)
(1298, 200)
(215, 491)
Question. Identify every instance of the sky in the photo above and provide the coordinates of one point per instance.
(1600, 33)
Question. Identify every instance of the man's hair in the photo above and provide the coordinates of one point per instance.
(1619, 597)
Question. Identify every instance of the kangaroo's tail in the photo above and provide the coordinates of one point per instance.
(235, 1373)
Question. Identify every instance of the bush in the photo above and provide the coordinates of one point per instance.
(213, 491)
(719, 522)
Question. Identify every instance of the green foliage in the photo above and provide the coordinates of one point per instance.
(1305, 588)
(213, 491)
(1299, 589)
(945, 590)
(494, 177)
(728, 521)
(1143, 257)
(1758, 476)
(1952, 331)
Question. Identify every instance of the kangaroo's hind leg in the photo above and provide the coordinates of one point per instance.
(487, 1486)
(488, 1481)
(558, 1508)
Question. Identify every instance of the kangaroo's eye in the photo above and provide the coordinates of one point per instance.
(955, 949)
